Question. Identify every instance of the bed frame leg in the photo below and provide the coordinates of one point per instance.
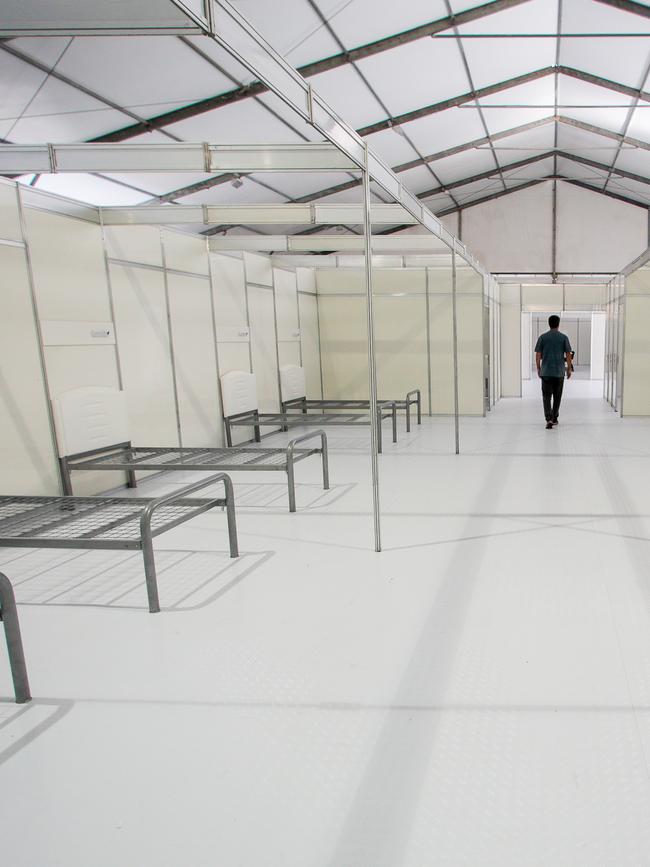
(66, 481)
(419, 406)
(408, 416)
(394, 423)
(258, 435)
(326, 462)
(9, 616)
(228, 433)
(230, 514)
(131, 481)
(150, 570)
(291, 483)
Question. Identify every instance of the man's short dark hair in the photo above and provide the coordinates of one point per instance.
(554, 321)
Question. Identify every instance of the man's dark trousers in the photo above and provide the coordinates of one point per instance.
(552, 388)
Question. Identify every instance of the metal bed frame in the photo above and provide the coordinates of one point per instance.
(129, 523)
(124, 456)
(9, 616)
(241, 409)
(283, 420)
(413, 397)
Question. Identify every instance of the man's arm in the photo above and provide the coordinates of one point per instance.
(569, 364)
(538, 362)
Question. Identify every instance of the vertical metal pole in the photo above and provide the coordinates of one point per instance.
(170, 338)
(372, 372)
(428, 314)
(454, 325)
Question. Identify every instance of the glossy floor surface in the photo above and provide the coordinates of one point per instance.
(477, 694)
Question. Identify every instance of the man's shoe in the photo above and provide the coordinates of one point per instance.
(554, 422)
(549, 425)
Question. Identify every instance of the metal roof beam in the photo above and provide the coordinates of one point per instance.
(606, 133)
(328, 243)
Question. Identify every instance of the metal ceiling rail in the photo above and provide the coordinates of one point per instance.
(181, 157)
(73, 18)
(397, 245)
(245, 44)
(310, 69)
(628, 6)
(245, 215)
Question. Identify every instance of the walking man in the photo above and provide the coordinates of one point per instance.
(552, 350)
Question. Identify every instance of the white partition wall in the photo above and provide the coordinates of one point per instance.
(511, 342)
(285, 286)
(441, 337)
(309, 331)
(635, 342)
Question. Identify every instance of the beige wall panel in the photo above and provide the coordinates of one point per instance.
(596, 233)
(258, 269)
(289, 352)
(185, 252)
(636, 394)
(306, 278)
(10, 228)
(470, 354)
(340, 280)
(68, 265)
(510, 341)
(264, 347)
(542, 297)
(344, 346)
(143, 340)
(195, 363)
(77, 366)
(286, 302)
(638, 281)
(578, 297)
(401, 346)
(134, 244)
(229, 289)
(442, 350)
(310, 344)
(513, 233)
(410, 280)
(27, 454)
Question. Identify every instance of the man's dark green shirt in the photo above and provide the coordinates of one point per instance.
(553, 345)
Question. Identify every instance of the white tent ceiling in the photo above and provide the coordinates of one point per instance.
(464, 108)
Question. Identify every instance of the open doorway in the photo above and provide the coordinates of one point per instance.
(586, 332)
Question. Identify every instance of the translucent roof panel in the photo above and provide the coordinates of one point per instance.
(492, 60)
(640, 124)
(419, 179)
(296, 185)
(248, 193)
(243, 122)
(91, 189)
(581, 172)
(392, 146)
(293, 28)
(592, 104)
(587, 144)
(630, 189)
(525, 144)
(623, 61)
(343, 89)
(522, 104)
(463, 165)
(533, 16)
(634, 160)
(435, 71)
(532, 171)
(587, 16)
(361, 21)
(443, 130)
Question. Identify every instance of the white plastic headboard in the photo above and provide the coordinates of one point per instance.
(90, 418)
(238, 392)
(292, 382)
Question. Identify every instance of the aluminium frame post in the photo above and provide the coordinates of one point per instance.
(375, 423)
(454, 325)
(9, 616)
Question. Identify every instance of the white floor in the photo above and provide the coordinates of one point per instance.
(477, 694)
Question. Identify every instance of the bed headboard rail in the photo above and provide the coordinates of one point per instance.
(90, 418)
(238, 392)
(292, 382)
